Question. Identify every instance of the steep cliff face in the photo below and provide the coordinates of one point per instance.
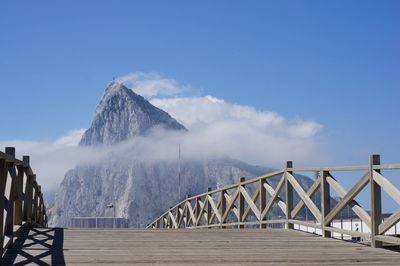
(141, 190)
(123, 114)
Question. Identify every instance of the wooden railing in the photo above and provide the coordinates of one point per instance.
(248, 203)
(21, 203)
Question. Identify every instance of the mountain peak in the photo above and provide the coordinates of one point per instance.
(122, 114)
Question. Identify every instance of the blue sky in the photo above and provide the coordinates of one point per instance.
(336, 63)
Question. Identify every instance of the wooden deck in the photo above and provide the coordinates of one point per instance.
(188, 247)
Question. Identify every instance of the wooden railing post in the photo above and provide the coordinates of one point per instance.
(223, 206)
(197, 212)
(289, 195)
(35, 202)
(158, 223)
(24, 187)
(41, 209)
(28, 201)
(208, 209)
(9, 226)
(241, 203)
(178, 215)
(263, 201)
(325, 202)
(3, 178)
(376, 201)
(18, 195)
(187, 223)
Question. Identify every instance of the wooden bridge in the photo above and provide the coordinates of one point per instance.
(229, 225)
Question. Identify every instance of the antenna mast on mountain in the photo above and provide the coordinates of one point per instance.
(179, 173)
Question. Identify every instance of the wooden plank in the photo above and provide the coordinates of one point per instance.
(190, 247)
(213, 216)
(263, 200)
(271, 192)
(250, 202)
(208, 208)
(191, 212)
(231, 202)
(313, 225)
(376, 200)
(18, 195)
(9, 206)
(253, 199)
(329, 169)
(386, 166)
(393, 192)
(273, 198)
(182, 215)
(240, 203)
(11, 159)
(304, 197)
(3, 180)
(325, 201)
(222, 205)
(202, 214)
(389, 222)
(214, 208)
(289, 194)
(347, 198)
(310, 193)
(364, 216)
(347, 232)
(389, 239)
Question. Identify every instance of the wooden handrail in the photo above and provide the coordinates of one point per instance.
(231, 205)
(21, 202)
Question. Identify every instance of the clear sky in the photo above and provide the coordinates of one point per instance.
(333, 62)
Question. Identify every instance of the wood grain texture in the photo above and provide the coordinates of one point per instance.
(189, 247)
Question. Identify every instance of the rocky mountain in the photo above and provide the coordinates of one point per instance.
(141, 190)
(123, 114)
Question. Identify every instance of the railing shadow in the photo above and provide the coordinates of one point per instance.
(40, 246)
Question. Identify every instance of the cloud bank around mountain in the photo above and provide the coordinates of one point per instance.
(216, 128)
(150, 84)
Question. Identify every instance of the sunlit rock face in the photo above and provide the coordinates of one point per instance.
(140, 189)
(123, 114)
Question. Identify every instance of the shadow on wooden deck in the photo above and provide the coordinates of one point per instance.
(40, 246)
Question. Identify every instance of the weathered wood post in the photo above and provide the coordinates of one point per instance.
(158, 223)
(325, 202)
(241, 203)
(289, 195)
(223, 205)
(187, 220)
(197, 212)
(263, 201)
(208, 207)
(376, 201)
(9, 226)
(28, 201)
(3, 178)
(178, 215)
(41, 205)
(35, 202)
(18, 194)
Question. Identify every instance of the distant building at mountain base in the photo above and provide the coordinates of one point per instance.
(99, 222)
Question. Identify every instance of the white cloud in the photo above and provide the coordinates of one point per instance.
(198, 112)
(215, 128)
(72, 138)
(50, 160)
(152, 84)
